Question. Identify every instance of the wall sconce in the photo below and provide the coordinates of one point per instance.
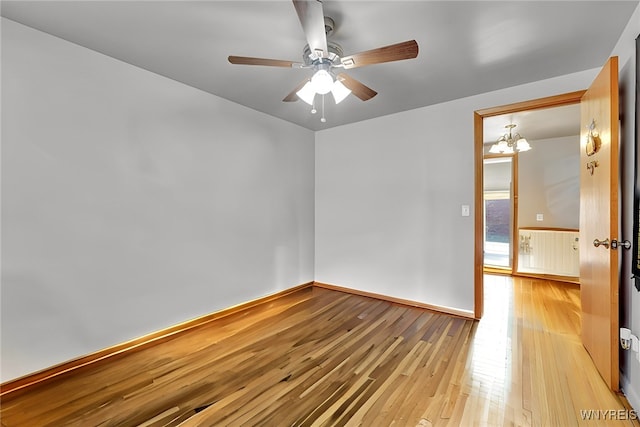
(625, 338)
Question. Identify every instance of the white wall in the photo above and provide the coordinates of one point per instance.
(389, 193)
(630, 305)
(131, 202)
(549, 183)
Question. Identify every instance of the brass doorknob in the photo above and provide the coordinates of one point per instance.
(604, 243)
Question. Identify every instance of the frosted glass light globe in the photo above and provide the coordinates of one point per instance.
(322, 82)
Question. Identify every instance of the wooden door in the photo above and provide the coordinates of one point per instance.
(599, 221)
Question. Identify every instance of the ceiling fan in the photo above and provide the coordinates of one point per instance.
(323, 57)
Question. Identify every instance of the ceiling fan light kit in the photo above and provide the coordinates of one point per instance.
(322, 83)
(323, 56)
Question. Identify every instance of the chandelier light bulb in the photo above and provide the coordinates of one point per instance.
(523, 145)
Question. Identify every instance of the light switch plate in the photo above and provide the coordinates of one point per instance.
(465, 210)
(539, 217)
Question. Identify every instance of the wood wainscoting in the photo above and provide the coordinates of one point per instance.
(317, 356)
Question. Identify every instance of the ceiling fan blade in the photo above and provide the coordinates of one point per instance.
(247, 60)
(311, 18)
(293, 96)
(394, 52)
(358, 89)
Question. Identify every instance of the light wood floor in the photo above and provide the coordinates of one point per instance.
(321, 357)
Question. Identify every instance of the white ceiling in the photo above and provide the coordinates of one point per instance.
(466, 48)
(556, 122)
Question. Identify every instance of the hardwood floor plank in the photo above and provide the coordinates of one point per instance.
(321, 357)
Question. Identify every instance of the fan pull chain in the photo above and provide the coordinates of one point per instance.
(322, 119)
(313, 106)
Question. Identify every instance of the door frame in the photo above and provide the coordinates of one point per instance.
(514, 214)
(478, 116)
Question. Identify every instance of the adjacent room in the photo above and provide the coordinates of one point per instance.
(281, 212)
(532, 199)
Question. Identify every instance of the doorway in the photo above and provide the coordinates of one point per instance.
(599, 275)
(479, 143)
(498, 198)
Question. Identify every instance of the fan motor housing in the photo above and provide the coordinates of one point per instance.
(335, 53)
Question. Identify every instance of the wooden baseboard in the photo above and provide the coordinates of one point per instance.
(446, 310)
(136, 344)
(497, 271)
(553, 277)
(158, 337)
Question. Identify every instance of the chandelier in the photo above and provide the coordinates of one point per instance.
(510, 143)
